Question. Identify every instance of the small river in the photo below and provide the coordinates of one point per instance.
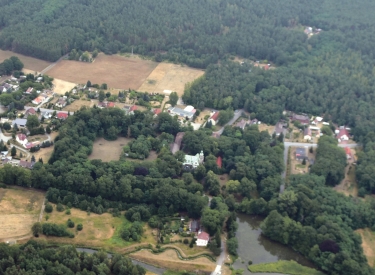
(252, 245)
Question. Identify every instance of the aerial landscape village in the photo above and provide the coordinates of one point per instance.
(187, 137)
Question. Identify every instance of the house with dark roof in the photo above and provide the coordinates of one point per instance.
(280, 127)
(303, 119)
(61, 103)
(301, 154)
(21, 122)
(307, 134)
(194, 225)
(26, 164)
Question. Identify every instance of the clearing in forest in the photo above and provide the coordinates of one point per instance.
(170, 260)
(19, 209)
(45, 153)
(30, 63)
(108, 150)
(368, 244)
(167, 76)
(117, 71)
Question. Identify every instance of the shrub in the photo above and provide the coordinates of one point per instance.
(186, 241)
(70, 223)
(67, 212)
(60, 207)
(79, 226)
(48, 208)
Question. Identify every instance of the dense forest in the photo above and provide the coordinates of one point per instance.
(35, 258)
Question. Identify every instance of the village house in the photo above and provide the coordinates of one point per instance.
(40, 99)
(106, 104)
(26, 164)
(214, 118)
(202, 239)
(280, 127)
(303, 119)
(156, 112)
(129, 110)
(348, 153)
(30, 112)
(62, 115)
(219, 162)
(61, 103)
(186, 113)
(194, 226)
(22, 139)
(307, 134)
(300, 154)
(242, 124)
(192, 162)
(21, 122)
(47, 114)
(342, 134)
(29, 90)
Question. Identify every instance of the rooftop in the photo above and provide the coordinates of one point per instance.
(203, 236)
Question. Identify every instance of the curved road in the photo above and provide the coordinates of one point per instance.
(307, 145)
(237, 114)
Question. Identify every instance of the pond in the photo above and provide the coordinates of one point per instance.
(252, 245)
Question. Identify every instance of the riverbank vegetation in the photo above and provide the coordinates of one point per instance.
(284, 267)
(36, 258)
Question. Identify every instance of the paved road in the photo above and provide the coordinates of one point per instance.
(237, 114)
(307, 145)
(52, 65)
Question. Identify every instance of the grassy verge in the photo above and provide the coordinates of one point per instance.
(285, 267)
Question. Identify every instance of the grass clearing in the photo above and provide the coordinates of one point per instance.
(170, 260)
(108, 150)
(167, 76)
(368, 244)
(264, 127)
(28, 62)
(19, 209)
(117, 71)
(61, 86)
(201, 118)
(77, 104)
(348, 186)
(285, 267)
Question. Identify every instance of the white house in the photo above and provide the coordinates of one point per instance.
(192, 162)
(202, 239)
(22, 139)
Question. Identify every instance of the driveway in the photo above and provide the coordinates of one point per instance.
(237, 114)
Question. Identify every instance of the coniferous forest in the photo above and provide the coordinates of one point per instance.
(330, 74)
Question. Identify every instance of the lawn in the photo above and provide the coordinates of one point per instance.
(284, 267)
(108, 150)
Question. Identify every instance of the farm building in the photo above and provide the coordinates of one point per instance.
(304, 120)
(187, 113)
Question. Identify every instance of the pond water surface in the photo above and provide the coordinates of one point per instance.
(252, 245)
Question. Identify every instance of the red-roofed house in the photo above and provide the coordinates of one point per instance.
(62, 115)
(343, 135)
(202, 239)
(214, 118)
(29, 90)
(219, 162)
(106, 104)
(133, 108)
(156, 112)
(348, 153)
(30, 112)
(22, 139)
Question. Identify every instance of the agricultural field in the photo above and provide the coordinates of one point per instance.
(117, 71)
(30, 63)
(19, 209)
(108, 150)
(170, 260)
(168, 76)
